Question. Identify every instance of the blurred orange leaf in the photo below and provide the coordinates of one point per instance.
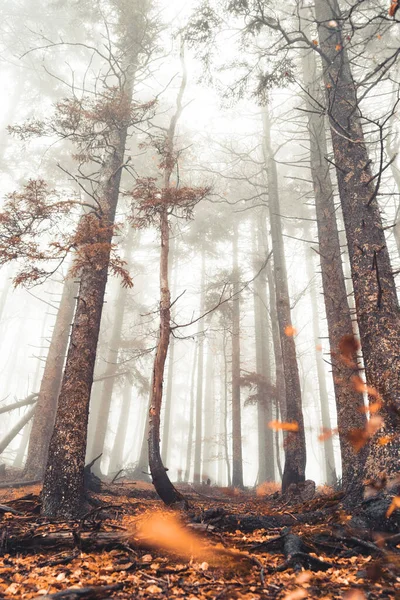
(290, 331)
(283, 426)
(394, 506)
(327, 433)
(360, 386)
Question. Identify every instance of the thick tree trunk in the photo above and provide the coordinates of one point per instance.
(63, 489)
(295, 444)
(237, 460)
(374, 288)
(349, 402)
(199, 389)
(43, 421)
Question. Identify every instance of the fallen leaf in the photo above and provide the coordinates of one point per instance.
(153, 589)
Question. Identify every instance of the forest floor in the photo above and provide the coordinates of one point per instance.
(129, 546)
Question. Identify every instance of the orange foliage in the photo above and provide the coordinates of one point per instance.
(276, 425)
(267, 488)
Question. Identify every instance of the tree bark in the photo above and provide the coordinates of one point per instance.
(63, 488)
(237, 459)
(295, 445)
(349, 402)
(374, 287)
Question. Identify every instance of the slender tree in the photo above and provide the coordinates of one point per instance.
(295, 446)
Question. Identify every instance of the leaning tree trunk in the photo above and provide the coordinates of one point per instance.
(237, 459)
(374, 287)
(63, 488)
(45, 414)
(295, 443)
(349, 402)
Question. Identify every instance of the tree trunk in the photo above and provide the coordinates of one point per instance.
(226, 430)
(168, 396)
(16, 429)
(43, 421)
(189, 449)
(295, 444)
(263, 366)
(322, 389)
(117, 453)
(349, 402)
(199, 389)
(237, 460)
(374, 286)
(209, 418)
(100, 430)
(63, 489)
(164, 488)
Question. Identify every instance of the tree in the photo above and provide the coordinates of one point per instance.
(63, 488)
(374, 287)
(295, 445)
(156, 206)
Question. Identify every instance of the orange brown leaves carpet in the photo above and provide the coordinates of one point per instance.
(153, 553)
